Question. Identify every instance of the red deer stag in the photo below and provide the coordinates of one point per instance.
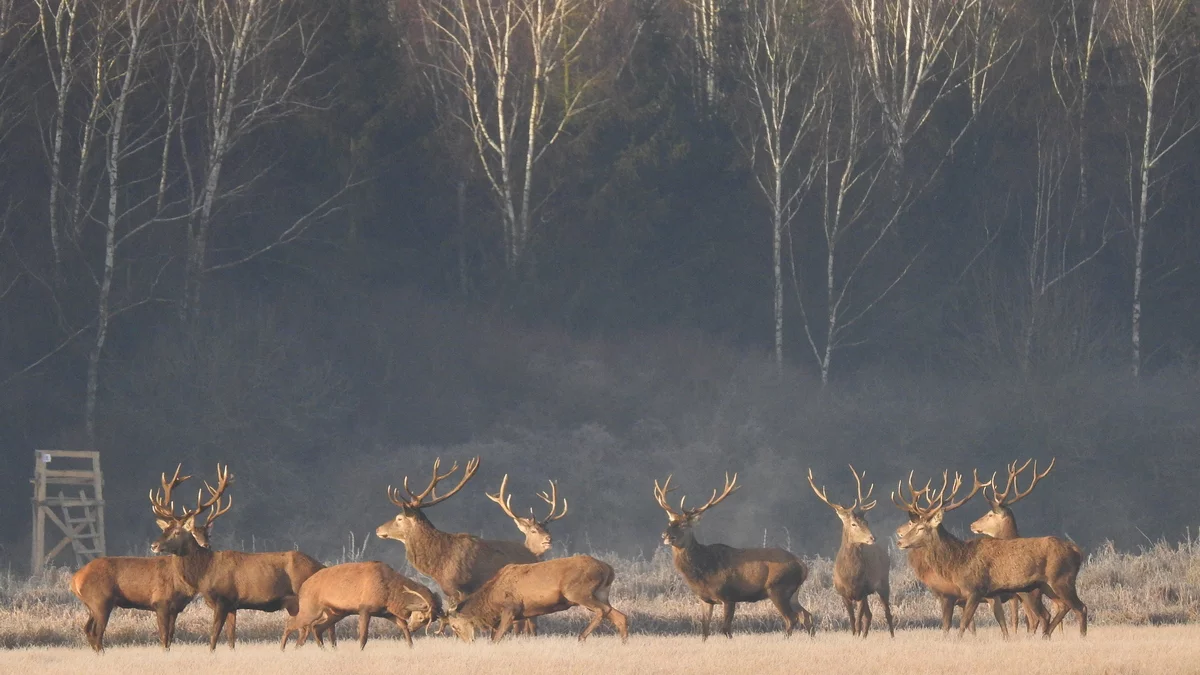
(1000, 523)
(233, 580)
(531, 590)
(164, 585)
(722, 574)
(368, 589)
(459, 563)
(996, 568)
(537, 532)
(920, 561)
(862, 566)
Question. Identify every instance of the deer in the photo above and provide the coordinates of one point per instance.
(163, 585)
(368, 589)
(233, 580)
(537, 532)
(459, 563)
(525, 591)
(717, 573)
(1000, 523)
(862, 566)
(983, 568)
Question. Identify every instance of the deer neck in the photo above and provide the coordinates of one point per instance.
(426, 546)
(946, 550)
(692, 558)
(193, 565)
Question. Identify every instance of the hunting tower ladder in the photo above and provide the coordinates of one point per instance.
(79, 517)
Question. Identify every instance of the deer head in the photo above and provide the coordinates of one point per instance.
(181, 533)
(999, 519)
(411, 516)
(924, 520)
(854, 521)
(537, 534)
(680, 522)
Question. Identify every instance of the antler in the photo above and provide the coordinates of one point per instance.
(417, 501)
(861, 503)
(730, 486)
(552, 500)
(999, 499)
(913, 504)
(660, 495)
(214, 497)
(160, 501)
(937, 499)
(825, 498)
(504, 502)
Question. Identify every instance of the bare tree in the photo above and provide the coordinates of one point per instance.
(704, 24)
(500, 58)
(1155, 36)
(1077, 27)
(57, 27)
(912, 59)
(785, 97)
(99, 126)
(129, 24)
(855, 215)
(254, 58)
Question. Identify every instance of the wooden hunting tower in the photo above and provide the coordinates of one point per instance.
(78, 516)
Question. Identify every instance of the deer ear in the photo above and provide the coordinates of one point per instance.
(190, 524)
(162, 524)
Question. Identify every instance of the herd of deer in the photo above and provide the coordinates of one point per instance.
(497, 585)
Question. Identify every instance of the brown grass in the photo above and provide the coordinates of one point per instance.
(1109, 649)
(1130, 595)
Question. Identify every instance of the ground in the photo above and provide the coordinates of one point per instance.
(1142, 649)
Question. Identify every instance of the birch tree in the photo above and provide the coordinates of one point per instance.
(854, 217)
(704, 24)
(785, 98)
(912, 58)
(502, 59)
(1077, 29)
(1156, 40)
(253, 59)
(1051, 247)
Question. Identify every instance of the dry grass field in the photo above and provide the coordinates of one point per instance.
(1145, 618)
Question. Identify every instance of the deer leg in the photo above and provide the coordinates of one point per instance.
(1032, 616)
(231, 629)
(364, 623)
(947, 612)
(850, 607)
(705, 618)
(620, 622)
(403, 626)
(598, 613)
(783, 603)
(1068, 599)
(99, 623)
(968, 614)
(163, 614)
(506, 621)
(887, 613)
(727, 623)
(998, 611)
(1015, 605)
(864, 616)
(220, 614)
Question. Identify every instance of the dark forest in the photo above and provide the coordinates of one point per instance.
(601, 241)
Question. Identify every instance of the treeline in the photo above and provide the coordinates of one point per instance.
(213, 212)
